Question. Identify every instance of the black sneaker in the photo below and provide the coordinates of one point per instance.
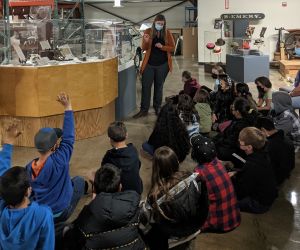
(140, 114)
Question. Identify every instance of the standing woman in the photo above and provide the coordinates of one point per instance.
(158, 43)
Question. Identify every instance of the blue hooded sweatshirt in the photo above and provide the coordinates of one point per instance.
(53, 186)
(26, 228)
(5, 158)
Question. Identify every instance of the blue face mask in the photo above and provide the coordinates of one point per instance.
(217, 82)
(158, 27)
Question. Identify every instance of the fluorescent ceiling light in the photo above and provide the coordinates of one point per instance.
(117, 4)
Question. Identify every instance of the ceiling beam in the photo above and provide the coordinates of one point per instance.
(131, 21)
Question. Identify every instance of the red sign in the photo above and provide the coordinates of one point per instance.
(13, 3)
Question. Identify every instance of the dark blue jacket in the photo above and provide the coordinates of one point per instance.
(126, 159)
(53, 186)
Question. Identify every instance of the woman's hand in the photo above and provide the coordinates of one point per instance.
(158, 45)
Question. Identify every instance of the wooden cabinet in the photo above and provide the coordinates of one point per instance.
(29, 94)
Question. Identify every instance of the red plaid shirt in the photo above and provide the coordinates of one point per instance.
(224, 214)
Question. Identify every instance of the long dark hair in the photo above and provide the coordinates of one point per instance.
(165, 174)
(186, 107)
(263, 81)
(172, 131)
(243, 90)
(163, 32)
(229, 82)
(241, 105)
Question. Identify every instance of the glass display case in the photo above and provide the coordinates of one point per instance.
(42, 42)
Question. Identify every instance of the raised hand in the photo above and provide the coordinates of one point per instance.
(11, 133)
(64, 99)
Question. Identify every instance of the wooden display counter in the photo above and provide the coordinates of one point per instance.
(289, 67)
(29, 94)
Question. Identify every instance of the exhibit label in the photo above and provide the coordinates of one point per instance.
(252, 16)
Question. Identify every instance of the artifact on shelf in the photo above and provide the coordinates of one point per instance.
(218, 52)
(210, 46)
(220, 42)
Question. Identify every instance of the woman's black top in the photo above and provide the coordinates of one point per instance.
(157, 56)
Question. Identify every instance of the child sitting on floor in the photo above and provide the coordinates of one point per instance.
(188, 114)
(49, 173)
(255, 185)
(203, 108)
(224, 213)
(23, 224)
(190, 84)
(224, 99)
(125, 157)
(110, 220)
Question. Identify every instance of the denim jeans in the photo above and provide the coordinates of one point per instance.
(296, 102)
(78, 192)
(156, 74)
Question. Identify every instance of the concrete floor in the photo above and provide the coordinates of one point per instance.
(277, 229)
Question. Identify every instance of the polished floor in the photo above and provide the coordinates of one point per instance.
(277, 229)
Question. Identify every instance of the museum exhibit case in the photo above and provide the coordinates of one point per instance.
(40, 58)
(245, 61)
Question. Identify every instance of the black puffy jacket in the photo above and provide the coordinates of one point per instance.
(110, 221)
(180, 214)
(222, 105)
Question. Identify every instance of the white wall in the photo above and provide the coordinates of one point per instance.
(138, 11)
(275, 16)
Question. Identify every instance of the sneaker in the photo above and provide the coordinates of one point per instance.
(140, 114)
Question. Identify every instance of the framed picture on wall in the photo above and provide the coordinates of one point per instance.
(218, 23)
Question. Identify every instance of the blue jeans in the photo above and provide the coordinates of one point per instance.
(296, 102)
(78, 192)
(156, 75)
(148, 148)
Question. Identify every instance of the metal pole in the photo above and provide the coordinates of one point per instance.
(83, 45)
(7, 50)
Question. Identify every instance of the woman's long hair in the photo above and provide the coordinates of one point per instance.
(165, 175)
(163, 32)
(242, 90)
(187, 109)
(265, 81)
(241, 105)
(172, 131)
